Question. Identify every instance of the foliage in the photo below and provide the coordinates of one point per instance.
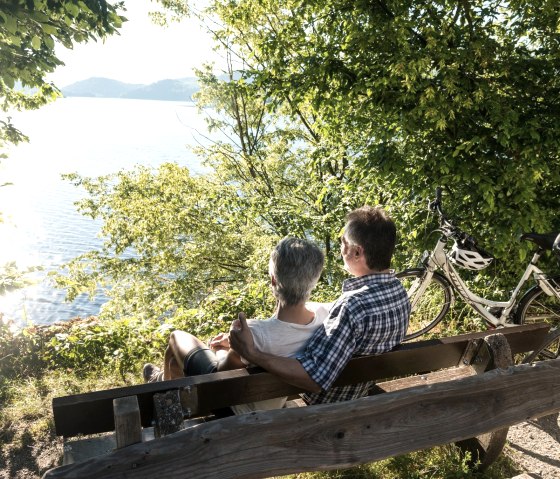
(445, 462)
(174, 238)
(327, 106)
(12, 277)
(30, 29)
(19, 350)
(400, 97)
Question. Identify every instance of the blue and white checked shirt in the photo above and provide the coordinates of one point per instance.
(371, 317)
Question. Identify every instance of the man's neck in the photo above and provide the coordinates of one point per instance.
(367, 271)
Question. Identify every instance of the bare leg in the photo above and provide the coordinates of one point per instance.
(171, 370)
(181, 344)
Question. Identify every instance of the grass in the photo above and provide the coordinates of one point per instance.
(42, 363)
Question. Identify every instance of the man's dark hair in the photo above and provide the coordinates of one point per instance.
(373, 230)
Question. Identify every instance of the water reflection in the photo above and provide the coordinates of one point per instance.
(93, 137)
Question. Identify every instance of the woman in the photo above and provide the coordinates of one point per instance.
(295, 267)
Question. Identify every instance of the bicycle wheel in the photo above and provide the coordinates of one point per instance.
(431, 307)
(549, 350)
(537, 307)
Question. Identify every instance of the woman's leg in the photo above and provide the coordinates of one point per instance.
(181, 345)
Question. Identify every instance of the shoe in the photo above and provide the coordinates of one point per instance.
(152, 373)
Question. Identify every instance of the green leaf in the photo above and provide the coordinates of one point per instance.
(36, 42)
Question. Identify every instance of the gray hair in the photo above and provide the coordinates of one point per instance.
(296, 265)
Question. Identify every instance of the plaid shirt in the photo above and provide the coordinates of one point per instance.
(371, 317)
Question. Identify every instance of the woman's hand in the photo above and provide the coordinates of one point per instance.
(219, 342)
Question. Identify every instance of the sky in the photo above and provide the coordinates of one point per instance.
(142, 53)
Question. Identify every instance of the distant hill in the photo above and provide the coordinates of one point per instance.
(173, 90)
(166, 90)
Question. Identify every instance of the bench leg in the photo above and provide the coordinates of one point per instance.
(486, 448)
(168, 413)
(128, 429)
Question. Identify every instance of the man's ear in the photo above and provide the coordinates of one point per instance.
(359, 251)
(273, 280)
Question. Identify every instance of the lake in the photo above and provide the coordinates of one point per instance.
(90, 136)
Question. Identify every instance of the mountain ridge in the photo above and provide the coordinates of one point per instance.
(181, 89)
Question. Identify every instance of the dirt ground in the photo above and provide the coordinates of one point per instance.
(535, 447)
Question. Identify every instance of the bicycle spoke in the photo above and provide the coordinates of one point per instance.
(550, 349)
(543, 309)
(429, 304)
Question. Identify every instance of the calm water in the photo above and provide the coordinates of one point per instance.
(93, 137)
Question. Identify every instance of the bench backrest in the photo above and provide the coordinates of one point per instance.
(93, 412)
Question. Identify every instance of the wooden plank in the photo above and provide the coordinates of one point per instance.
(451, 374)
(92, 412)
(127, 421)
(412, 358)
(337, 435)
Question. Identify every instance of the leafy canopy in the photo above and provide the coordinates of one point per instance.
(410, 95)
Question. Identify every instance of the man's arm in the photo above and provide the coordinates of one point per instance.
(289, 369)
(229, 360)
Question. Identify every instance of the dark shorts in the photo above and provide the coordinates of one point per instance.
(204, 361)
(200, 361)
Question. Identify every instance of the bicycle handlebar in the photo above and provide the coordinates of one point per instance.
(446, 225)
(436, 206)
(556, 245)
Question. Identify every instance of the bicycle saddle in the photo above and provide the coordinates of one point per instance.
(544, 241)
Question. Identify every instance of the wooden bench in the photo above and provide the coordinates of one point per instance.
(438, 393)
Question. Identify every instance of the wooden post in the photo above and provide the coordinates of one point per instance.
(486, 448)
(128, 429)
(168, 413)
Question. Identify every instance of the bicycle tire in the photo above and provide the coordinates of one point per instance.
(537, 307)
(550, 349)
(431, 307)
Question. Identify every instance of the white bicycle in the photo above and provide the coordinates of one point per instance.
(431, 287)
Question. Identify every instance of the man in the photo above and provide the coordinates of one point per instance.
(370, 317)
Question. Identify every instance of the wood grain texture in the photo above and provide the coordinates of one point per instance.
(337, 435)
(486, 448)
(128, 429)
(93, 413)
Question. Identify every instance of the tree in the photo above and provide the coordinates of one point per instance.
(29, 32)
(414, 95)
(175, 241)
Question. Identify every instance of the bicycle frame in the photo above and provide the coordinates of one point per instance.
(438, 259)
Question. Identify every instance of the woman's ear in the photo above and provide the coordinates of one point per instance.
(272, 280)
